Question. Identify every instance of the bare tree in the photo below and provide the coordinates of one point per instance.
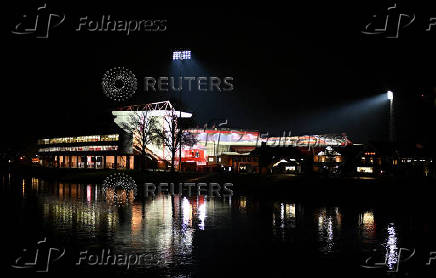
(142, 129)
(174, 137)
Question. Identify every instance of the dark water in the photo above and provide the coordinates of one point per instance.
(197, 237)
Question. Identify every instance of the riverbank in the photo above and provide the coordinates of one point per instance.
(308, 188)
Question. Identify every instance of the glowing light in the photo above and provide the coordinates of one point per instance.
(290, 168)
(365, 170)
(243, 202)
(88, 193)
(202, 215)
(368, 218)
(186, 212)
(182, 55)
(391, 247)
(390, 95)
(329, 227)
(290, 210)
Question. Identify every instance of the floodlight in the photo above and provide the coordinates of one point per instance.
(390, 95)
(182, 55)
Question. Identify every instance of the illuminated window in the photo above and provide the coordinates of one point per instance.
(79, 139)
(290, 168)
(365, 170)
(79, 149)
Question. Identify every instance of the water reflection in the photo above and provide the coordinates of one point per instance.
(180, 231)
(329, 228)
(284, 220)
(202, 214)
(163, 226)
(367, 230)
(391, 246)
(186, 212)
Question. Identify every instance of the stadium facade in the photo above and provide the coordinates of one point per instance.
(228, 148)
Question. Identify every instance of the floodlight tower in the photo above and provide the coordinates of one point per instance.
(390, 97)
(181, 56)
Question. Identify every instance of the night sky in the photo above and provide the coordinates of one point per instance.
(305, 69)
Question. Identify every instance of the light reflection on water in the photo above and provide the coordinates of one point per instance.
(329, 228)
(171, 227)
(367, 229)
(163, 226)
(391, 246)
